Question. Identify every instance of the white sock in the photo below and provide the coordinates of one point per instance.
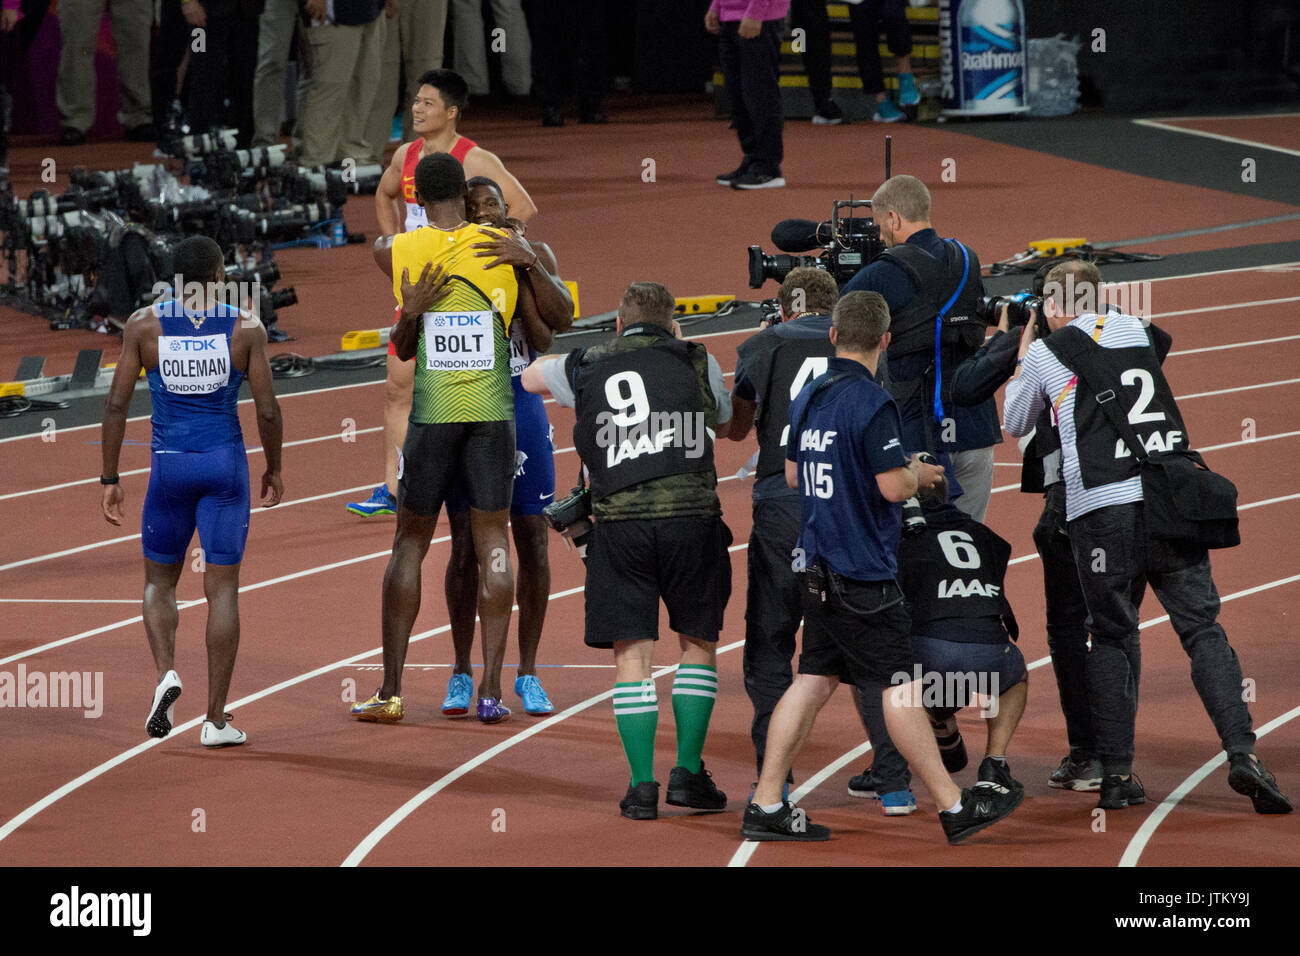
(956, 807)
(771, 807)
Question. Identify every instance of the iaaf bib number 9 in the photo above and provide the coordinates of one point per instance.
(194, 365)
(459, 341)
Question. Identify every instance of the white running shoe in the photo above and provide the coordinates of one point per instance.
(227, 736)
(165, 694)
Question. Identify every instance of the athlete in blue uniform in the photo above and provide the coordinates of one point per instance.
(534, 486)
(195, 360)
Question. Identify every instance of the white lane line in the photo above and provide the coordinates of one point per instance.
(1235, 140)
(242, 401)
(1233, 345)
(741, 856)
(337, 436)
(1147, 830)
(90, 775)
(1239, 388)
(373, 838)
(134, 537)
(1225, 308)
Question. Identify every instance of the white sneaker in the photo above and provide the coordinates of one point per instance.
(213, 736)
(159, 723)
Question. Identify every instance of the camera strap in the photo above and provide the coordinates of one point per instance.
(938, 329)
(1072, 349)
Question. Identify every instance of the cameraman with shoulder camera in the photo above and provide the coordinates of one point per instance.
(924, 278)
(1108, 527)
(648, 405)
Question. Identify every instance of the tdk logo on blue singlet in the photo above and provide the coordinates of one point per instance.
(207, 344)
(458, 320)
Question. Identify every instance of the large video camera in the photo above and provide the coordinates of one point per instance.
(846, 245)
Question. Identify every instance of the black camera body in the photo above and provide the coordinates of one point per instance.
(913, 513)
(1023, 307)
(846, 246)
(571, 517)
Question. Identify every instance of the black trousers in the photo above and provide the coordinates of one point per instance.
(1116, 562)
(866, 19)
(1067, 635)
(569, 44)
(224, 71)
(751, 70)
(170, 41)
(773, 612)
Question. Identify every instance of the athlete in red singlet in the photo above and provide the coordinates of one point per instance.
(438, 105)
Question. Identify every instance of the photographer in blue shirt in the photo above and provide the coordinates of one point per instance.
(845, 456)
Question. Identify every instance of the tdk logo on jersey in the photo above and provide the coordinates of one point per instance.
(206, 344)
(459, 320)
(816, 440)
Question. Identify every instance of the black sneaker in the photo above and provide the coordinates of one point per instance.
(694, 790)
(596, 117)
(642, 801)
(1118, 793)
(828, 114)
(789, 824)
(981, 806)
(144, 133)
(726, 179)
(863, 786)
(71, 137)
(952, 749)
(1076, 775)
(757, 179)
(999, 772)
(1248, 776)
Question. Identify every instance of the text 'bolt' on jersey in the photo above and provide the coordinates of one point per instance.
(462, 364)
(194, 388)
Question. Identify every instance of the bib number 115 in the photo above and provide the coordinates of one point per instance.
(817, 479)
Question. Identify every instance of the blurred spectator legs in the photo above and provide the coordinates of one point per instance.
(515, 47)
(421, 25)
(223, 69)
(569, 55)
(345, 68)
(170, 42)
(75, 90)
(275, 30)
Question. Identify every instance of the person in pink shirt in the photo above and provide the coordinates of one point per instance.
(749, 47)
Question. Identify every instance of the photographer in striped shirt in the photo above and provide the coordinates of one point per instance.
(1109, 531)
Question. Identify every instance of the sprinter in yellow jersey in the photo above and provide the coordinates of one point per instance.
(455, 318)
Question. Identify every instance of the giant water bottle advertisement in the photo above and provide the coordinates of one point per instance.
(982, 57)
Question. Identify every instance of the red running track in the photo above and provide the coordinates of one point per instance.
(312, 785)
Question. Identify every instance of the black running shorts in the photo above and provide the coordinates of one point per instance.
(861, 633)
(480, 455)
(632, 564)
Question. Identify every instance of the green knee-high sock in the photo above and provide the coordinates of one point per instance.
(694, 689)
(636, 711)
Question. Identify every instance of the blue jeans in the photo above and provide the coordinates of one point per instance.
(1116, 561)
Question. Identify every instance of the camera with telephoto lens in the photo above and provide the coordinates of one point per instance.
(846, 245)
(1023, 307)
(913, 513)
(571, 517)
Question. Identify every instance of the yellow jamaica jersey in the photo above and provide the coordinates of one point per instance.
(462, 366)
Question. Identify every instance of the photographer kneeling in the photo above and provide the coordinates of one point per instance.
(648, 404)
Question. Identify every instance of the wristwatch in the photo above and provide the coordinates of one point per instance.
(110, 481)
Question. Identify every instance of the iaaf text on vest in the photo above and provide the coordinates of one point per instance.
(651, 435)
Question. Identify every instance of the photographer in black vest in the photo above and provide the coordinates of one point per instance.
(648, 406)
(923, 277)
(1104, 505)
(952, 570)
